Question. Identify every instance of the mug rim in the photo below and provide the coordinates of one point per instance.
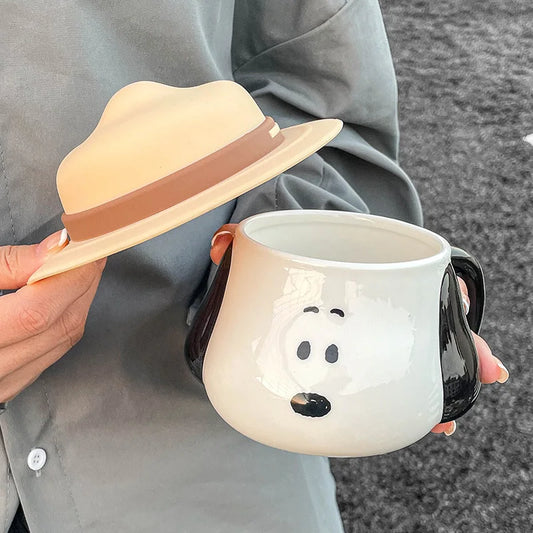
(409, 230)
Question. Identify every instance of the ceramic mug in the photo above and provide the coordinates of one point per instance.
(339, 334)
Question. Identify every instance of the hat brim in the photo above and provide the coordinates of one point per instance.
(299, 142)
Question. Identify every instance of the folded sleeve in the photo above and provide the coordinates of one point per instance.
(309, 59)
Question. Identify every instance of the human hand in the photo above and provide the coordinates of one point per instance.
(491, 368)
(39, 323)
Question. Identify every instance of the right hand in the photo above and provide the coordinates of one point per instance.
(41, 322)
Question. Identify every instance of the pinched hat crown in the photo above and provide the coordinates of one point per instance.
(148, 131)
(161, 156)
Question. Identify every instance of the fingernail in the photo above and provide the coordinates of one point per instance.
(63, 238)
(504, 373)
(466, 304)
(451, 430)
(217, 235)
(53, 243)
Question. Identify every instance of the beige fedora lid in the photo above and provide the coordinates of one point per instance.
(161, 156)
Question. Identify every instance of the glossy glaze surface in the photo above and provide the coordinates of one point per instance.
(460, 368)
(206, 316)
(468, 268)
(328, 357)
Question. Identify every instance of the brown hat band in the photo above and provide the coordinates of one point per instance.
(174, 188)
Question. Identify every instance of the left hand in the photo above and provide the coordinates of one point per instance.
(491, 368)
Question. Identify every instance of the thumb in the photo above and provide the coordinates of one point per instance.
(18, 263)
(220, 242)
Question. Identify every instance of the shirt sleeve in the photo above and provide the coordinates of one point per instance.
(309, 59)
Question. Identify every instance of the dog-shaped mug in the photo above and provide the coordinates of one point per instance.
(338, 334)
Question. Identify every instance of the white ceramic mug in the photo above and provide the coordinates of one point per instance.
(338, 334)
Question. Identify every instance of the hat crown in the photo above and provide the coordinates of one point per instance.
(149, 130)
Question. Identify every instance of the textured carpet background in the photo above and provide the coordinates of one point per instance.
(465, 75)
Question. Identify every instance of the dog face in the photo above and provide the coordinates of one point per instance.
(326, 354)
(328, 366)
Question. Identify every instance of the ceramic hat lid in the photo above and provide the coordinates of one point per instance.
(161, 156)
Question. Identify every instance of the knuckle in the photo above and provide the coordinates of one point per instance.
(34, 320)
(76, 335)
(73, 326)
(9, 261)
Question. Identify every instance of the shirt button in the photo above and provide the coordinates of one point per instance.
(36, 459)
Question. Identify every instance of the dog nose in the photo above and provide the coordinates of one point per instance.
(310, 404)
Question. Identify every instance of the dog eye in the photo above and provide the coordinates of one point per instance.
(304, 350)
(332, 353)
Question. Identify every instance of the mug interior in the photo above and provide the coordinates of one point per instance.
(343, 237)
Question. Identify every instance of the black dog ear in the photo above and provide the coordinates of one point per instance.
(206, 316)
(459, 363)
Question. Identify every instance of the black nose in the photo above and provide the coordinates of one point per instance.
(310, 404)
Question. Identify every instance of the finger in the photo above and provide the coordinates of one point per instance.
(67, 331)
(18, 263)
(17, 381)
(22, 377)
(491, 368)
(219, 247)
(221, 240)
(448, 428)
(464, 293)
(34, 309)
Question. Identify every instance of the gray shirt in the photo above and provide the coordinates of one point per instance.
(132, 442)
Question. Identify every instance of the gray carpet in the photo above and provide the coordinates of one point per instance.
(465, 75)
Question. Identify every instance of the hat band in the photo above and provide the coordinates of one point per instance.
(176, 187)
